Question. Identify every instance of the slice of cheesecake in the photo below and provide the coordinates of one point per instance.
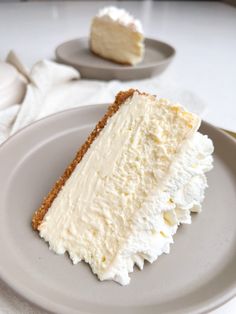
(117, 36)
(136, 178)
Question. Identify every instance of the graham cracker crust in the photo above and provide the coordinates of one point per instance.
(48, 200)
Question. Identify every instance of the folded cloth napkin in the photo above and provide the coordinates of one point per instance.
(54, 87)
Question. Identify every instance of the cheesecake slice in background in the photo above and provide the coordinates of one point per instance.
(117, 36)
(138, 176)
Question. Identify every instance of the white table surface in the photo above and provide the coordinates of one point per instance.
(204, 34)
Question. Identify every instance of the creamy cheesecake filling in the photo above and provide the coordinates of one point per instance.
(140, 178)
(116, 42)
(117, 36)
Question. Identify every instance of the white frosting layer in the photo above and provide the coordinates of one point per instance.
(141, 177)
(120, 16)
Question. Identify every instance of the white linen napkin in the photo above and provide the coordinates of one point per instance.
(52, 88)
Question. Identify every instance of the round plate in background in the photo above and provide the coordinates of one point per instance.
(76, 52)
(198, 275)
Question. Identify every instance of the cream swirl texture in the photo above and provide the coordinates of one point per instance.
(120, 16)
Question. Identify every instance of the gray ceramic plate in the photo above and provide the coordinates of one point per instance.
(76, 53)
(198, 275)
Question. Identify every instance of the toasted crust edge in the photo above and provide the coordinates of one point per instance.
(48, 200)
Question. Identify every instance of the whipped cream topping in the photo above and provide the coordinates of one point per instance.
(139, 180)
(120, 16)
(182, 192)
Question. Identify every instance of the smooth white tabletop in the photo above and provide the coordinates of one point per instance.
(203, 33)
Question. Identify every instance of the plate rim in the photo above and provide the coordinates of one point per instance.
(116, 66)
(229, 294)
